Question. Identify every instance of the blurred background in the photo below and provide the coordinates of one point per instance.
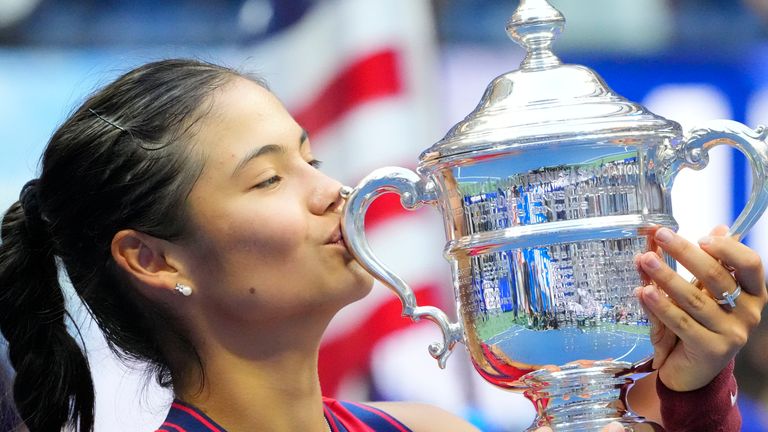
(375, 82)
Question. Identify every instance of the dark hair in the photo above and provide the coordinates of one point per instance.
(9, 419)
(121, 160)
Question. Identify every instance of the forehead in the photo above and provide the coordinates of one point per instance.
(243, 116)
(243, 103)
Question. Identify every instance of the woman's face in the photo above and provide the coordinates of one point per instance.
(265, 241)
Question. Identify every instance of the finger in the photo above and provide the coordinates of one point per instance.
(689, 298)
(613, 427)
(663, 341)
(719, 231)
(715, 278)
(747, 265)
(643, 276)
(688, 329)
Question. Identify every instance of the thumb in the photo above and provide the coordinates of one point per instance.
(719, 231)
(614, 427)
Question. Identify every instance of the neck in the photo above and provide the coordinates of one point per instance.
(261, 380)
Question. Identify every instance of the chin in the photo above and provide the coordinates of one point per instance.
(362, 283)
(366, 279)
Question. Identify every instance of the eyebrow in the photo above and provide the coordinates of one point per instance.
(267, 149)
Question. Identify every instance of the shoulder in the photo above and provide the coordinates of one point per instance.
(423, 417)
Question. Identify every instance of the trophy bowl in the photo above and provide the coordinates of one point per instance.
(548, 190)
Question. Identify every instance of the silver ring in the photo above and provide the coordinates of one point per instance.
(730, 298)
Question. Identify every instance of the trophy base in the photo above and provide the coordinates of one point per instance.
(598, 425)
(584, 397)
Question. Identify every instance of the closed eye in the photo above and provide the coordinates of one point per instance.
(316, 163)
(268, 182)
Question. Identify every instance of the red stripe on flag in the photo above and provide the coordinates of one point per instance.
(351, 352)
(369, 78)
(385, 208)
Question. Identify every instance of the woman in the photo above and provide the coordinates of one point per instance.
(187, 209)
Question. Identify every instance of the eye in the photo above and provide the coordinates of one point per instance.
(268, 182)
(315, 163)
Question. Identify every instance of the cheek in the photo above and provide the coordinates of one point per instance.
(234, 245)
(265, 238)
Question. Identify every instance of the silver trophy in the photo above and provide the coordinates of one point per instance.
(548, 190)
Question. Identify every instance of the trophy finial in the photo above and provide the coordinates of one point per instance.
(346, 191)
(534, 26)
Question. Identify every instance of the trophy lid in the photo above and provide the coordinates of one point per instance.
(544, 100)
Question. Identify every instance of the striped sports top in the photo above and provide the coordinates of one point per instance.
(342, 416)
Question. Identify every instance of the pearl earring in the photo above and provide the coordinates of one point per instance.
(184, 290)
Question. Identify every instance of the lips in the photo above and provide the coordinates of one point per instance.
(336, 238)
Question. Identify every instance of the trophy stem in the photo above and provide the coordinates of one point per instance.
(580, 397)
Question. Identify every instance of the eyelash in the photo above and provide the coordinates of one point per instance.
(268, 182)
(314, 163)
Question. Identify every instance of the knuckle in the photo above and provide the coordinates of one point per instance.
(682, 323)
(723, 349)
(680, 248)
(697, 301)
(752, 319)
(716, 273)
(738, 339)
(753, 263)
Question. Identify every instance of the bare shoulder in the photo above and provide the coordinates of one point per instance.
(423, 417)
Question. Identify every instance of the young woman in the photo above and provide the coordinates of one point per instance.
(187, 210)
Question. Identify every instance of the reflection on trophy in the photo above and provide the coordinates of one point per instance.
(548, 190)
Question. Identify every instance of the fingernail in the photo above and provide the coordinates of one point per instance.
(706, 240)
(664, 235)
(637, 291)
(722, 227)
(650, 293)
(652, 261)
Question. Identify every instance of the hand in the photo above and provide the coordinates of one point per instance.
(612, 427)
(693, 336)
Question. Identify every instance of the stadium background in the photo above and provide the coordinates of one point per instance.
(375, 82)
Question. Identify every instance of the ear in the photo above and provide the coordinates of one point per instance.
(145, 259)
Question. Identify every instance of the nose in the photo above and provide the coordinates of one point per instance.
(326, 197)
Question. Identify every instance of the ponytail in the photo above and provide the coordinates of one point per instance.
(123, 159)
(53, 387)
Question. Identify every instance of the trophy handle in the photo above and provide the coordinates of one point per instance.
(694, 153)
(414, 191)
